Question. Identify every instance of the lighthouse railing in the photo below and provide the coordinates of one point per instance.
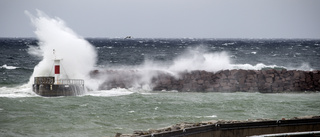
(71, 81)
(43, 80)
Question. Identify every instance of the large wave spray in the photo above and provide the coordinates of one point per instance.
(78, 56)
(192, 59)
(198, 59)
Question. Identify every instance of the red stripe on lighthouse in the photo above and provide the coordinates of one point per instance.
(57, 69)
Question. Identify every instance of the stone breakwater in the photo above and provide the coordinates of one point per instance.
(265, 81)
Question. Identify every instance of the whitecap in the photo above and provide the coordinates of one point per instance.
(258, 66)
(274, 55)
(109, 93)
(84, 105)
(17, 92)
(5, 66)
(212, 116)
(226, 44)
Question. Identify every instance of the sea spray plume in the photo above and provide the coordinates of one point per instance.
(78, 56)
(192, 59)
(35, 51)
(196, 58)
(199, 59)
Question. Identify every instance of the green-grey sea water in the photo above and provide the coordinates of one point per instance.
(106, 112)
(107, 115)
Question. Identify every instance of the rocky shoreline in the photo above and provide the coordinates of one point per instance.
(264, 81)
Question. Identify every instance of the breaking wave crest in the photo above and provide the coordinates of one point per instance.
(78, 55)
(5, 66)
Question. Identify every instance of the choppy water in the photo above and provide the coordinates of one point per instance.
(17, 55)
(107, 115)
(104, 113)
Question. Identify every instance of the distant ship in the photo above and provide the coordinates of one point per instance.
(128, 37)
(50, 86)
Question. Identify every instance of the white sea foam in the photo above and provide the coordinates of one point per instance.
(258, 66)
(212, 116)
(35, 51)
(109, 93)
(198, 59)
(16, 92)
(5, 66)
(304, 66)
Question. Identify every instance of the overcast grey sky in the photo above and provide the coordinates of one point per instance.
(169, 18)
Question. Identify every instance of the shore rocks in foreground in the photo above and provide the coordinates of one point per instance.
(265, 81)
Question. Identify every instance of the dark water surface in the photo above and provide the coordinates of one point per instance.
(106, 112)
(107, 115)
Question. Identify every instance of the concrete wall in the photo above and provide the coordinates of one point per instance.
(238, 129)
(266, 81)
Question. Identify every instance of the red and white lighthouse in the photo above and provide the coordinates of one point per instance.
(56, 68)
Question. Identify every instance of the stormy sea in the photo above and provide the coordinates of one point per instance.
(123, 110)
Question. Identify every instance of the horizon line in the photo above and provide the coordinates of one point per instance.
(174, 38)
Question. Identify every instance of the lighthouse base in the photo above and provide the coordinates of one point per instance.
(57, 90)
(44, 86)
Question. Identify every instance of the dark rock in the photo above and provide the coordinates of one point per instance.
(266, 81)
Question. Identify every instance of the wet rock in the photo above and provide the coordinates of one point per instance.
(266, 81)
(269, 80)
